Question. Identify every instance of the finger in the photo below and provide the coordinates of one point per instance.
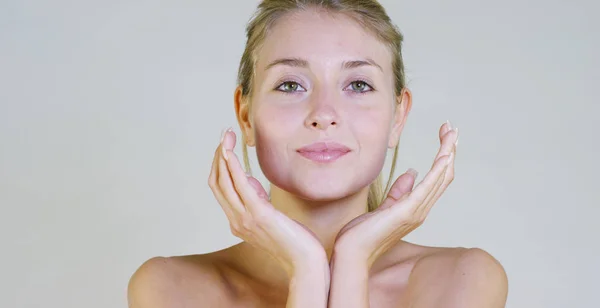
(232, 216)
(447, 140)
(254, 183)
(212, 182)
(212, 177)
(401, 186)
(424, 188)
(249, 196)
(260, 191)
(445, 128)
(226, 184)
(432, 196)
(448, 137)
(447, 179)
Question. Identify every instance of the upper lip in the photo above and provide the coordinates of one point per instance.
(324, 146)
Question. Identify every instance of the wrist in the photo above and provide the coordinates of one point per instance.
(315, 277)
(346, 255)
(312, 267)
(314, 280)
(350, 280)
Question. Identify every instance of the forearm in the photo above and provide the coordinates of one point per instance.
(349, 283)
(310, 287)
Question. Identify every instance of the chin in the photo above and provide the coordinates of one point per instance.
(321, 189)
(320, 184)
(316, 192)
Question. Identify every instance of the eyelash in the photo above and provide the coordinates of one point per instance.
(354, 92)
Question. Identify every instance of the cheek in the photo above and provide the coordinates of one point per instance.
(371, 128)
(273, 130)
(273, 126)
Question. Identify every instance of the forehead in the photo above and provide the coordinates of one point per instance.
(323, 39)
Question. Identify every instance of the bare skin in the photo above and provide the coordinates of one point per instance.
(312, 242)
(230, 278)
(405, 275)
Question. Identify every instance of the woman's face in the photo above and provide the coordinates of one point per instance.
(322, 80)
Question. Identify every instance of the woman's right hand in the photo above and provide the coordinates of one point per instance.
(254, 219)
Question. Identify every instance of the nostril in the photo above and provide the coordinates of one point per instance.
(314, 124)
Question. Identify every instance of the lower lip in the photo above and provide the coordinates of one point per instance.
(324, 157)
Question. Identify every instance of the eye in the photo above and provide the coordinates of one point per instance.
(290, 87)
(360, 86)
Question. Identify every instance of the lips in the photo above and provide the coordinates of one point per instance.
(324, 152)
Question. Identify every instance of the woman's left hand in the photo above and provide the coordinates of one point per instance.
(368, 236)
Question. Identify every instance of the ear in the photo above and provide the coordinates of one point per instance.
(242, 111)
(401, 110)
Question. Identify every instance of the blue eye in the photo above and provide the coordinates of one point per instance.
(290, 87)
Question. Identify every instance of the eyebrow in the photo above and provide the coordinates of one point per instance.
(298, 62)
(359, 63)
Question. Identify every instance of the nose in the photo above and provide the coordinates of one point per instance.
(322, 116)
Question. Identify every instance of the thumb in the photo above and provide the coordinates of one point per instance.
(260, 191)
(401, 186)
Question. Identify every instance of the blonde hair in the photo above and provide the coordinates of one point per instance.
(368, 13)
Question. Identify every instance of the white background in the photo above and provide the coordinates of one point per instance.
(110, 112)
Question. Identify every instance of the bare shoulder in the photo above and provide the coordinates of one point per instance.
(458, 260)
(469, 276)
(180, 281)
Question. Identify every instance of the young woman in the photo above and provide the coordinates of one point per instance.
(322, 97)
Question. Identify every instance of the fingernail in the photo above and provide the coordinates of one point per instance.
(457, 136)
(449, 124)
(413, 172)
(224, 152)
(223, 135)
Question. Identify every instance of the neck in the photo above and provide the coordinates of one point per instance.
(324, 218)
